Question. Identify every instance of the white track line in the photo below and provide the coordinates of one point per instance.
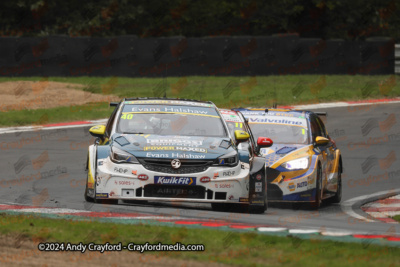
(41, 128)
(347, 205)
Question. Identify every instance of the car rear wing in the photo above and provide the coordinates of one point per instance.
(319, 113)
(114, 104)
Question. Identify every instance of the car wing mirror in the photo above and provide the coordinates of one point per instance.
(98, 131)
(264, 142)
(241, 136)
(321, 141)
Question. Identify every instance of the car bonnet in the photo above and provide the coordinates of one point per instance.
(158, 146)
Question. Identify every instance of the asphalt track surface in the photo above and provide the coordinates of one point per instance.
(47, 169)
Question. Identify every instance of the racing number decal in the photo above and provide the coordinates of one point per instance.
(127, 116)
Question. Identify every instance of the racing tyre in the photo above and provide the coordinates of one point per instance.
(107, 201)
(259, 209)
(220, 207)
(138, 202)
(338, 196)
(87, 198)
(104, 201)
(318, 190)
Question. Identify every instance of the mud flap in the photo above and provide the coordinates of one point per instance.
(258, 184)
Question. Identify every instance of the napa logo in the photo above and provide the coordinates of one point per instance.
(302, 184)
(291, 187)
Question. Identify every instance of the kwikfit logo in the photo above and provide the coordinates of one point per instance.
(175, 180)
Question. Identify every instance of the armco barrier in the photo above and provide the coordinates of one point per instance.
(178, 56)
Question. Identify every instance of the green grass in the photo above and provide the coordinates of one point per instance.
(397, 218)
(225, 91)
(61, 114)
(234, 248)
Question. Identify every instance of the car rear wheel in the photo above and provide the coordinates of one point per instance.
(318, 190)
(87, 198)
(338, 195)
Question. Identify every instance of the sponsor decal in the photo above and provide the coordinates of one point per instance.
(258, 186)
(232, 118)
(176, 163)
(302, 184)
(257, 202)
(224, 185)
(120, 170)
(175, 155)
(205, 179)
(173, 180)
(134, 172)
(228, 173)
(101, 195)
(305, 195)
(231, 197)
(221, 161)
(310, 180)
(168, 102)
(143, 177)
(100, 162)
(181, 148)
(243, 199)
(175, 142)
(259, 177)
(216, 175)
(291, 187)
(126, 183)
(229, 112)
(173, 110)
(291, 121)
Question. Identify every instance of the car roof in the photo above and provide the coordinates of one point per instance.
(226, 113)
(273, 112)
(167, 101)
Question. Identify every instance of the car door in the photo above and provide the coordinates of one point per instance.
(329, 148)
(317, 130)
(327, 151)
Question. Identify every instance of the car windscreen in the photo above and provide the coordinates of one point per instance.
(280, 130)
(171, 120)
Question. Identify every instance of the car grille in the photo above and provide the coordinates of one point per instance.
(174, 191)
(164, 165)
(274, 192)
(272, 174)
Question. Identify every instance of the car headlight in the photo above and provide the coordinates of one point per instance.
(119, 156)
(230, 159)
(297, 164)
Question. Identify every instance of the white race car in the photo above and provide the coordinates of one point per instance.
(159, 149)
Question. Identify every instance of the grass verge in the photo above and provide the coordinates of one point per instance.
(397, 218)
(227, 91)
(233, 248)
(61, 114)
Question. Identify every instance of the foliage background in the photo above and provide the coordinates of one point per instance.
(327, 19)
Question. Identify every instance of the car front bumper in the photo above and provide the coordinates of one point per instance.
(134, 182)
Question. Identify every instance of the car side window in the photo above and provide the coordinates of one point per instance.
(111, 121)
(321, 126)
(315, 129)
